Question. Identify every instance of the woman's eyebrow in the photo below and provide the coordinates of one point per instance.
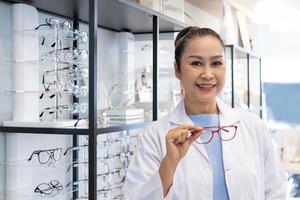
(195, 56)
(200, 57)
(217, 56)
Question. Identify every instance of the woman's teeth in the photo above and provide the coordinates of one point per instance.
(206, 85)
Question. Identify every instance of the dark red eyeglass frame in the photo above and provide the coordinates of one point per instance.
(219, 128)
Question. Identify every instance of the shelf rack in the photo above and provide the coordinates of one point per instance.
(236, 53)
(115, 15)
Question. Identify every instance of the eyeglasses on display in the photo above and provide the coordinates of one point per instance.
(47, 156)
(55, 24)
(76, 108)
(73, 71)
(84, 122)
(50, 39)
(121, 159)
(65, 55)
(61, 87)
(49, 188)
(116, 176)
(56, 86)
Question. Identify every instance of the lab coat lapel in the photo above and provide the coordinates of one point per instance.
(178, 116)
(228, 116)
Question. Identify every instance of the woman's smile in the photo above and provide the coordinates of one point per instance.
(206, 88)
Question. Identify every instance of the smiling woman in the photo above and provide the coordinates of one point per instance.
(200, 68)
(204, 149)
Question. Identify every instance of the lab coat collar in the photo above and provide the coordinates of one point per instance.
(228, 115)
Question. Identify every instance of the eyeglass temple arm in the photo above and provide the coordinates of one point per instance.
(76, 164)
(29, 159)
(84, 180)
(52, 70)
(39, 26)
(74, 148)
(76, 123)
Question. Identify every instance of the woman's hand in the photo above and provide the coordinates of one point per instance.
(178, 141)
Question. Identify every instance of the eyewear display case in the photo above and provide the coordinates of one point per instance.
(243, 80)
(81, 80)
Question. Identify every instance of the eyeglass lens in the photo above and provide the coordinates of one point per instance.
(47, 156)
(225, 133)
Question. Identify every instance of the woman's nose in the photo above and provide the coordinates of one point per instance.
(207, 73)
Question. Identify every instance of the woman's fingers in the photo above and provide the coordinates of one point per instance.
(182, 133)
(195, 134)
(182, 137)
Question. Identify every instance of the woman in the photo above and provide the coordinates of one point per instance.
(204, 149)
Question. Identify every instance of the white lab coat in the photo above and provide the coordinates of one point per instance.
(252, 169)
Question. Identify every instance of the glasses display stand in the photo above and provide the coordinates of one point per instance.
(26, 77)
(64, 80)
(243, 86)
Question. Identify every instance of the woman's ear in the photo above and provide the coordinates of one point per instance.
(177, 71)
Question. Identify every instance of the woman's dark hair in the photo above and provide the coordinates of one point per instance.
(189, 33)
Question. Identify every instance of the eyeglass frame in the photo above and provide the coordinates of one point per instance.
(51, 186)
(61, 25)
(122, 157)
(65, 51)
(59, 87)
(79, 36)
(118, 171)
(50, 153)
(100, 121)
(75, 106)
(217, 132)
(47, 87)
(72, 69)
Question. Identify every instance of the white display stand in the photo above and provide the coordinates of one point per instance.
(23, 176)
(26, 74)
(126, 68)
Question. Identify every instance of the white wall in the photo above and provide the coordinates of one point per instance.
(201, 18)
(5, 81)
(280, 52)
(5, 67)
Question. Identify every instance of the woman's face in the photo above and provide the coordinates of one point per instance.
(203, 69)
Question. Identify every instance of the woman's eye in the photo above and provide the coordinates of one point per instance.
(217, 63)
(196, 63)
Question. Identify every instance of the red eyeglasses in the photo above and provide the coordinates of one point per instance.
(225, 133)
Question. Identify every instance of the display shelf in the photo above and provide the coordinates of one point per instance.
(246, 79)
(122, 127)
(241, 49)
(57, 128)
(38, 130)
(118, 15)
(255, 85)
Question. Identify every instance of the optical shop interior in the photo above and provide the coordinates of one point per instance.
(149, 99)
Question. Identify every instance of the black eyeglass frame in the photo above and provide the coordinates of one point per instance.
(51, 187)
(50, 152)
